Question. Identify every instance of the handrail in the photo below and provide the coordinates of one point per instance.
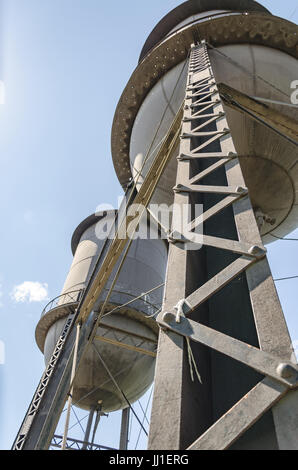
(136, 298)
(75, 296)
(75, 444)
(199, 20)
(70, 297)
(209, 17)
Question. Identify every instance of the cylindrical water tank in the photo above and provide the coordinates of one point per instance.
(126, 339)
(251, 51)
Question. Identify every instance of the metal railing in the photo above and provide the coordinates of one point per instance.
(142, 298)
(201, 20)
(75, 296)
(211, 17)
(64, 299)
(75, 444)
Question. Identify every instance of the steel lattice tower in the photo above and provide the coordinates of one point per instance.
(191, 129)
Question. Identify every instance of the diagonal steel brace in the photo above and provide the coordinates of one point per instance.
(261, 361)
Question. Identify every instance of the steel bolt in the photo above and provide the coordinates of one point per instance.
(168, 317)
(286, 371)
(257, 251)
(241, 190)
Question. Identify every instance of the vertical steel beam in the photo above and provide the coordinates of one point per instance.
(123, 445)
(46, 407)
(270, 322)
(176, 399)
(182, 409)
(88, 429)
(205, 136)
(165, 428)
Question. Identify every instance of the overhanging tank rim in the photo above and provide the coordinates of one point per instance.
(135, 92)
(84, 225)
(191, 7)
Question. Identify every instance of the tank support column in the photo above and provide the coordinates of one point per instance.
(88, 429)
(221, 313)
(124, 429)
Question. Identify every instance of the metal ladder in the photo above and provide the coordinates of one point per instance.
(41, 419)
(203, 106)
(204, 111)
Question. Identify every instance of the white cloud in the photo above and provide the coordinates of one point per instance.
(30, 292)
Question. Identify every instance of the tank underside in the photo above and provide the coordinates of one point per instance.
(123, 350)
(124, 347)
(189, 10)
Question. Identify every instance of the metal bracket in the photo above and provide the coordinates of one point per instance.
(192, 188)
(280, 375)
(241, 248)
(194, 156)
(261, 361)
(269, 117)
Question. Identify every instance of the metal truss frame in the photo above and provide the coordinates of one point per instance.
(275, 120)
(126, 340)
(38, 428)
(75, 444)
(42, 387)
(203, 105)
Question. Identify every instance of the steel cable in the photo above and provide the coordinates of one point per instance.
(131, 195)
(247, 71)
(119, 388)
(145, 417)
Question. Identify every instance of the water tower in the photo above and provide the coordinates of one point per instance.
(123, 351)
(226, 68)
(205, 121)
(129, 318)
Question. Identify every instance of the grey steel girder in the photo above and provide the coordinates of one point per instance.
(273, 357)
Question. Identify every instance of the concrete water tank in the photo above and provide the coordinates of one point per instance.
(251, 51)
(127, 338)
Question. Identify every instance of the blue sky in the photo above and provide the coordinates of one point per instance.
(64, 64)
